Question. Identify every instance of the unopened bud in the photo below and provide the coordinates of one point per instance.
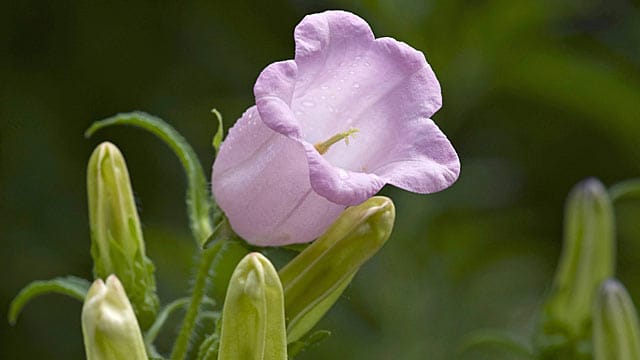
(314, 280)
(117, 245)
(253, 324)
(109, 326)
(587, 259)
(616, 333)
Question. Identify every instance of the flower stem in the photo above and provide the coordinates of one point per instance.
(181, 345)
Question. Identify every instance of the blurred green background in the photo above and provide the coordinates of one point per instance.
(538, 94)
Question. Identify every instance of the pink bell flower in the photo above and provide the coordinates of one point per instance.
(349, 114)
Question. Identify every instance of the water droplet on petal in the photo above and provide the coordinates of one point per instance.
(343, 174)
(367, 64)
(323, 97)
(308, 103)
(358, 58)
(356, 85)
(299, 113)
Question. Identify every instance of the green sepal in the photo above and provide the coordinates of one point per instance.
(217, 137)
(199, 202)
(308, 341)
(316, 277)
(71, 286)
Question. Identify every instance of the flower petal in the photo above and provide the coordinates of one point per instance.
(425, 162)
(261, 181)
(339, 185)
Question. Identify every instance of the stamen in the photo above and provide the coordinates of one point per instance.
(324, 146)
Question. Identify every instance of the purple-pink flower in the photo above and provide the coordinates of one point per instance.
(349, 114)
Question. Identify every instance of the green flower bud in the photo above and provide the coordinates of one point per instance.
(109, 326)
(588, 258)
(253, 325)
(314, 280)
(117, 245)
(616, 333)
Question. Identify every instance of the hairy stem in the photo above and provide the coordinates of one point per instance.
(200, 286)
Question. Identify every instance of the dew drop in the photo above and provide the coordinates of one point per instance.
(351, 72)
(299, 113)
(343, 174)
(324, 87)
(358, 58)
(356, 85)
(367, 64)
(323, 97)
(308, 103)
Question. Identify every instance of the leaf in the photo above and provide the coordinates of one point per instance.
(153, 331)
(496, 339)
(71, 286)
(308, 341)
(217, 138)
(199, 201)
(625, 189)
(209, 347)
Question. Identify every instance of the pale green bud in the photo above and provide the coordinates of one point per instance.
(109, 326)
(253, 325)
(314, 280)
(117, 245)
(616, 333)
(588, 258)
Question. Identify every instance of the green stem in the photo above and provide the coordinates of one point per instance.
(626, 189)
(181, 345)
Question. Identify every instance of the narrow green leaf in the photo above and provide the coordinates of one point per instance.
(308, 341)
(209, 348)
(625, 189)
(217, 138)
(199, 201)
(153, 331)
(71, 286)
(495, 339)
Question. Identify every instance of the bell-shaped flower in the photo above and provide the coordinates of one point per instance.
(330, 128)
(109, 326)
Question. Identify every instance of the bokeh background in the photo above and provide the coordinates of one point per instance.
(538, 94)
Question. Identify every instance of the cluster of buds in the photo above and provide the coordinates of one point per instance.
(588, 314)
